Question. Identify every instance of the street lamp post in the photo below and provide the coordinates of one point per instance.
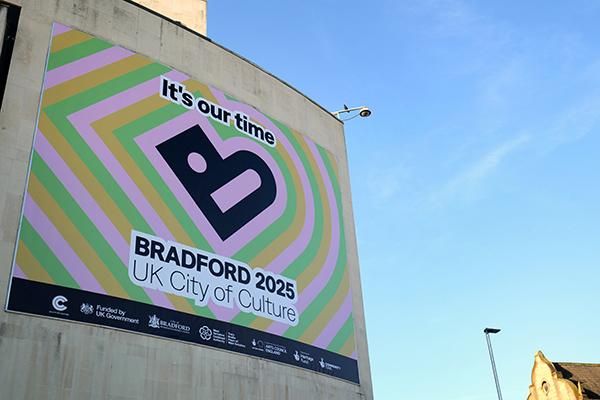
(487, 332)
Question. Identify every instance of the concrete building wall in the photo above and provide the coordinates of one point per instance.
(53, 359)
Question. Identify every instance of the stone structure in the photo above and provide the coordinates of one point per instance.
(43, 358)
(563, 380)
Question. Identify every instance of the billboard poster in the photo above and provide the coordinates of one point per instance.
(160, 205)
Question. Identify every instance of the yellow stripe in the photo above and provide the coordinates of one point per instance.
(304, 279)
(203, 89)
(75, 239)
(30, 265)
(319, 324)
(283, 241)
(349, 347)
(315, 266)
(68, 39)
(87, 179)
(268, 254)
(96, 190)
(92, 79)
(334, 164)
(105, 128)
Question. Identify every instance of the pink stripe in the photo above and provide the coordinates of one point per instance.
(57, 29)
(91, 208)
(82, 121)
(60, 247)
(335, 323)
(18, 272)
(286, 257)
(319, 282)
(236, 190)
(148, 142)
(82, 197)
(85, 65)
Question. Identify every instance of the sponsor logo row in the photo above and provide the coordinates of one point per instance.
(60, 305)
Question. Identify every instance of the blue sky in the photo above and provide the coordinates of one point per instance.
(475, 181)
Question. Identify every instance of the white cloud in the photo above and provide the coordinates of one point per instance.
(575, 123)
(386, 182)
(471, 177)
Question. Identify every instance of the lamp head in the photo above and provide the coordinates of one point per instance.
(364, 112)
(491, 330)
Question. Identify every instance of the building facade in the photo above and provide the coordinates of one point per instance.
(127, 138)
(563, 380)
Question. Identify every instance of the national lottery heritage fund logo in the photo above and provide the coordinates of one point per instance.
(192, 273)
(303, 357)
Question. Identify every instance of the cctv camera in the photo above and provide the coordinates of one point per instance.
(364, 112)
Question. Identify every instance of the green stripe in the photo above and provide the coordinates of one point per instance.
(274, 230)
(45, 256)
(58, 115)
(332, 286)
(75, 52)
(126, 135)
(299, 265)
(342, 336)
(86, 228)
(267, 236)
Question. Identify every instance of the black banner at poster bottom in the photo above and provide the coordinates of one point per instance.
(79, 305)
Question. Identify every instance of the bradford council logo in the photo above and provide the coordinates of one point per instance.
(153, 321)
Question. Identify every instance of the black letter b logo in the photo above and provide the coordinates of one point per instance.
(230, 191)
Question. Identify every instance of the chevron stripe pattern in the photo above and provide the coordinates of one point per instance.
(95, 176)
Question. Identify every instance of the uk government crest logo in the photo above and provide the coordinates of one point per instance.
(86, 308)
